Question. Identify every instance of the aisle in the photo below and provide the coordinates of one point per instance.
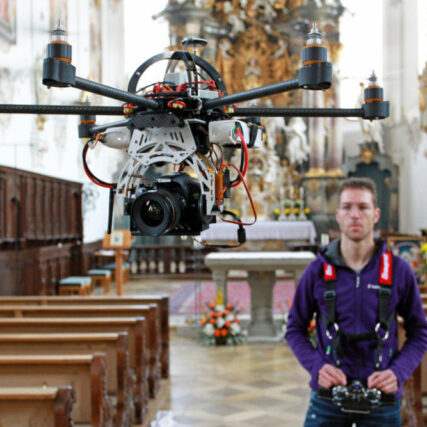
(247, 385)
(244, 386)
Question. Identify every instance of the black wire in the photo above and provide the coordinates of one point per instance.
(236, 218)
(85, 148)
(242, 157)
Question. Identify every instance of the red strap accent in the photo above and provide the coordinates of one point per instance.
(329, 272)
(386, 269)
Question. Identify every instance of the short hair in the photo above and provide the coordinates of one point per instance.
(360, 184)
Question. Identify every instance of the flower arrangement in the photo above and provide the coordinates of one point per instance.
(296, 210)
(220, 325)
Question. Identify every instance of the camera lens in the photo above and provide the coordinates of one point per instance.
(156, 212)
(153, 213)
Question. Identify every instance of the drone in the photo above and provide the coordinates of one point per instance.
(186, 120)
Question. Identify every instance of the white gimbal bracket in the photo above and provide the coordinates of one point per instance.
(174, 145)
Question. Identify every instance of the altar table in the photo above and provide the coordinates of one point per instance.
(261, 268)
(263, 230)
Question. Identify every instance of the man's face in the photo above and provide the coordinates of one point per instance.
(356, 214)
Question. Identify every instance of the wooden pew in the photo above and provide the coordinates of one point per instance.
(411, 407)
(82, 311)
(86, 373)
(135, 328)
(162, 301)
(37, 406)
(114, 345)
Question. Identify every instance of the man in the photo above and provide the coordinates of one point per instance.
(356, 288)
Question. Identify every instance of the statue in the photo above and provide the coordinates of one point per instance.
(273, 127)
(297, 147)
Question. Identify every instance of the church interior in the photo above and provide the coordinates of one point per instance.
(186, 327)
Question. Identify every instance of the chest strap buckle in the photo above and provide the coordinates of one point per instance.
(329, 295)
(377, 331)
(328, 334)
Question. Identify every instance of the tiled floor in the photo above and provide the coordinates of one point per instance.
(246, 385)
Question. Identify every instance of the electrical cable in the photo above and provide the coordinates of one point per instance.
(90, 175)
(244, 158)
(250, 199)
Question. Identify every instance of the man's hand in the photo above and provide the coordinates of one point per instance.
(385, 381)
(329, 376)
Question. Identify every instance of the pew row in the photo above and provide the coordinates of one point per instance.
(135, 328)
(85, 373)
(115, 346)
(162, 301)
(411, 407)
(37, 406)
(152, 330)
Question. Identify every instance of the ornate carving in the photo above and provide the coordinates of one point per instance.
(411, 408)
(123, 415)
(102, 409)
(63, 406)
(367, 155)
(256, 58)
(315, 172)
(264, 178)
(314, 185)
(141, 372)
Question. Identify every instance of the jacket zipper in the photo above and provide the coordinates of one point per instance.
(358, 308)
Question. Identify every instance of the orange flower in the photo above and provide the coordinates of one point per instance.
(203, 321)
(218, 314)
(236, 320)
(227, 324)
(226, 312)
(217, 332)
(224, 332)
(211, 314)
(229, 306)
(213, 321)
(211, 305)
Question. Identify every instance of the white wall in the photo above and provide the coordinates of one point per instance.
(405, 143)
(56, 150)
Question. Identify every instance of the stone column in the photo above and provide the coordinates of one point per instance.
(262, 322)
(316, 136)
(335, 146)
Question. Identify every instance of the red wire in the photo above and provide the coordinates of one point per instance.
(210, 83)
(250, 199)
(246, 155)
(93, 179)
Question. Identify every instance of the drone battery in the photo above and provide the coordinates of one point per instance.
(175, 79)
(208, 94)
(118, 137)
(223, 132)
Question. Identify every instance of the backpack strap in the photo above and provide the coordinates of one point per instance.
(330, 276)
(385, 281)
(381, 331)
(331, 326)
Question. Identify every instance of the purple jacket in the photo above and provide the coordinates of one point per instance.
(357, 312)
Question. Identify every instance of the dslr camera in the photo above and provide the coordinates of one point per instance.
(356, 398)
(172, 205)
